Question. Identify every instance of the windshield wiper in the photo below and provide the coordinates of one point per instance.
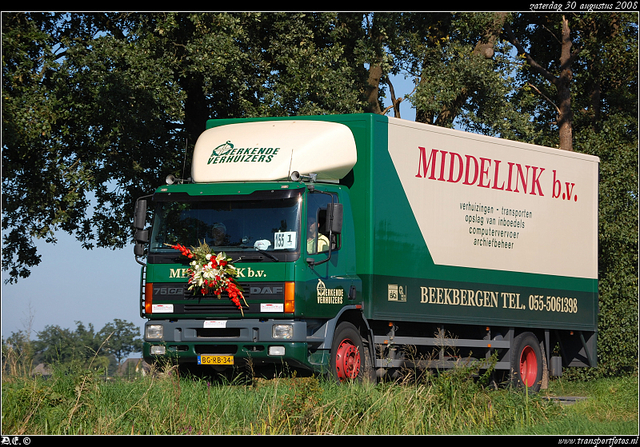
(268, 254)
(256, 258)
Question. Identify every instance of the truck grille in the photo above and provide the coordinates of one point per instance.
(185, 302)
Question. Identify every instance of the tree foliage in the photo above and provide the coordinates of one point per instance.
(105, 349)
(98, 108)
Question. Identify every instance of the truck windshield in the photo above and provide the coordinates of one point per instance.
(229, 224)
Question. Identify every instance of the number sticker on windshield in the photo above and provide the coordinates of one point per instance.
(284, 239)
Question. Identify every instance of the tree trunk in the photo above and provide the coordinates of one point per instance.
(373, 87)
(563, 84)
(562, 81)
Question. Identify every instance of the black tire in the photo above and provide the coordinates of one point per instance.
(526, 362)
(349, 356)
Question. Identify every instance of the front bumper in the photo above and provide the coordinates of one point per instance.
(247, 340)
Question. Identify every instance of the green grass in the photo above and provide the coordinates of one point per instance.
(611, 407)
(86, 403)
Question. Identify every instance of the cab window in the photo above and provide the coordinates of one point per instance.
(317, 224)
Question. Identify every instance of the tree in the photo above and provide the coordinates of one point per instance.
(57, 345)
(453, 58)
(121, 339)
(17, 353)
(80, 120)
(99, 108)
(563, 80)
(83, 346)
(606, 125)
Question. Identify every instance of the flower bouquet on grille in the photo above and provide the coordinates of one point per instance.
(212, 273)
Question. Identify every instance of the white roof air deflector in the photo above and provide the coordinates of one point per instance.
(271, 150)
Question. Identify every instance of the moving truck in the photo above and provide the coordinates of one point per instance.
(364, 244)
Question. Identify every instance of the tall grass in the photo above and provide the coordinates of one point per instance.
(76, 401)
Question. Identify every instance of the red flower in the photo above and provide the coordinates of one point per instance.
(184, 251)
(222, 282)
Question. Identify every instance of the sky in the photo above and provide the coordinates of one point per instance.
(72, 284)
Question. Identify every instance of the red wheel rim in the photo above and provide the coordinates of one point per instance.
(347, 360)
(528, 366)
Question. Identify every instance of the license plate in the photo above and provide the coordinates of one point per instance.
(215, 360)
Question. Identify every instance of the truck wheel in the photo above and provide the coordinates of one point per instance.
(348, 358)
(526, 362)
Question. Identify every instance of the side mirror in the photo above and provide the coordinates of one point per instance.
(140, 217)
(138, 249)
(335, 211)
(142, 236)
(139, 222)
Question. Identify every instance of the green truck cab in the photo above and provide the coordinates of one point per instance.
(365, 244)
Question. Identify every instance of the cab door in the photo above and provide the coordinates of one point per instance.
(328, 269)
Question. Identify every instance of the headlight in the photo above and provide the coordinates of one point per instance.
(157, 350)
(154, 332)
(276, 350)
(282, 331)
